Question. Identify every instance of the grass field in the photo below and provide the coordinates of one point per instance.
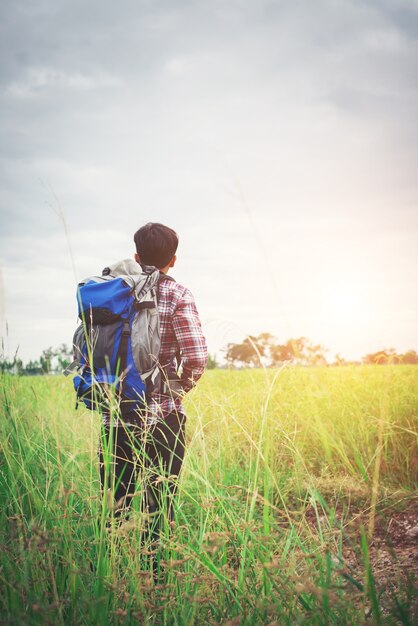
(296, 505)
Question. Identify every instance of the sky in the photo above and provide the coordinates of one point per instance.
(278, 138)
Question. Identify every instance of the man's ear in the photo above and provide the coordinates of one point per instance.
(173, 261)
(137, 258)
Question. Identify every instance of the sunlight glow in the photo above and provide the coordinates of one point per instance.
(345, 310)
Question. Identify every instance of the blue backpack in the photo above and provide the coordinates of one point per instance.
(117, 343)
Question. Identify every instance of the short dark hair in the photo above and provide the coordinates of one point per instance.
(156, 244)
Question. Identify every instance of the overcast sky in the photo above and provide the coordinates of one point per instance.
(279, 138)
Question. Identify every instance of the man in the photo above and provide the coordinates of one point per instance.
(153, 442)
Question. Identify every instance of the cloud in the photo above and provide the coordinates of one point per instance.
(39, 79)
(248, 126)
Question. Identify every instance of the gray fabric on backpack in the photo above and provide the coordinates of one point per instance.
(145, 331)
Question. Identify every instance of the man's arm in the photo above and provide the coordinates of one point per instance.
(192, 343)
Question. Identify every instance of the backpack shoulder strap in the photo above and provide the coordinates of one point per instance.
(163, 277)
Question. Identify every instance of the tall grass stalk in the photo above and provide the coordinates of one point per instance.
(382, 420)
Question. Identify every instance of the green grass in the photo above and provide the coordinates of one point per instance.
(276, 464)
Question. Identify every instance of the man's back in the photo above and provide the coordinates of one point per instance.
(181, 338)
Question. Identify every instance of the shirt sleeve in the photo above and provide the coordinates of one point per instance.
(192, 344)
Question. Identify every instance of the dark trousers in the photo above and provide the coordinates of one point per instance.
(143, 462)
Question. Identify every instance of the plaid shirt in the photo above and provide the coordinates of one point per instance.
(182, 344)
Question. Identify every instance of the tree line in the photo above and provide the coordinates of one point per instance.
(264, 351)
(253, 351)
(51, 361)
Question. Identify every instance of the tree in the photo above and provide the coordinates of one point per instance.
(316, 355)
(6, 365)
(46, 360)
(339, 360)
(253, 351)
(409, 358)
(64, 356)
(382, 357)
(300, 351)
(10, 366)
(263, 350)
(282, 353)
(55, 360)
(212, 362)
(33, 368)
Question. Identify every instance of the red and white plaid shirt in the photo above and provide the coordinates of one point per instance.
(182, 343)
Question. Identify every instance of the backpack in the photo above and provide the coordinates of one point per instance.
(117, 343)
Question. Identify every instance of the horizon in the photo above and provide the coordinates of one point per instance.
(221, 360)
